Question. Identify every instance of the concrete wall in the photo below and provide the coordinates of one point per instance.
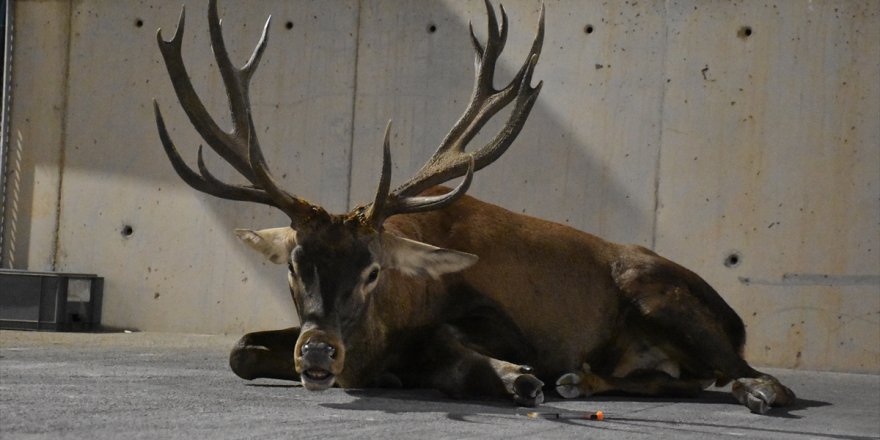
(704, 130)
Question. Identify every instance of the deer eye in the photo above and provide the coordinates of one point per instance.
(373, 275)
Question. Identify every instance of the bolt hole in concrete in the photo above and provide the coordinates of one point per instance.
(432, 28)
(289, 25)
(139, 23)
(588, 29)
(127, 231)
(744, 32)
(733, 259)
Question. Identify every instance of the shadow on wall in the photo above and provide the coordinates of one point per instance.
(332, 75)
(559, 167)
(569, 164)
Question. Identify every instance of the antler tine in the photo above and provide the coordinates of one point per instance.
(384, 206)
(240, 147)
(205, 182)
(192, 104)
(487, 57)
(450, 160)
(237, 81)
(374, 213)
(402, 205)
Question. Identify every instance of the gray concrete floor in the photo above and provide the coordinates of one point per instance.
(144, 385)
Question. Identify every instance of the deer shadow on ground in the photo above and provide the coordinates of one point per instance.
(500, 411)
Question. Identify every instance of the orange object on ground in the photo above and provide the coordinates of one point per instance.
(598, 415)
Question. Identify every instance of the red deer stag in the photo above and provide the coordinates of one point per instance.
(392, 293)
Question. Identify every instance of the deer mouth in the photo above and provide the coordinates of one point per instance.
(317, 379)
(321, 356)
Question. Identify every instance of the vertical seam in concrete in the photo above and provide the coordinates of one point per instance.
(62, 142)
(5, 129)
(357, 47)
(661, 125)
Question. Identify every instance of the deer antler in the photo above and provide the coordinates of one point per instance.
(450, 160)
(239, 147)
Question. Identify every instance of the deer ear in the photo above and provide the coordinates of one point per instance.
(416, 258)
(275, 243)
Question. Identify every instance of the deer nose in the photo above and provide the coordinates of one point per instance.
(317, 348)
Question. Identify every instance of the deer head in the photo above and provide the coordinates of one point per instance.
(336, 261)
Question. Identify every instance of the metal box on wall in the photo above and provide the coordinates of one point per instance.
(50, 301)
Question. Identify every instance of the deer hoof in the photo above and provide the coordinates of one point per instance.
(757, 403)
(568, 386)
(754, 394)
(528, 390)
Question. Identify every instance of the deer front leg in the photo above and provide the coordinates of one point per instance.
(445, 362)
(519, 382)
(267, 354)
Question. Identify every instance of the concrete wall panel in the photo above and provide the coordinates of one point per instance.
(771, 154)
(38, 113)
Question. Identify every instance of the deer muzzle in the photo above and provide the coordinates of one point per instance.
(319, 358)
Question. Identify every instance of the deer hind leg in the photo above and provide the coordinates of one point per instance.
(706, 351)
(761, 392)
(643, 382)
(640, 368)
(448, 362)
(267, 354)
(704, 334)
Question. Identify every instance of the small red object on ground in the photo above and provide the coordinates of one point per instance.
(598, 415)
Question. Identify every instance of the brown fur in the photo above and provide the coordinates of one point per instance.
(600, 316)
